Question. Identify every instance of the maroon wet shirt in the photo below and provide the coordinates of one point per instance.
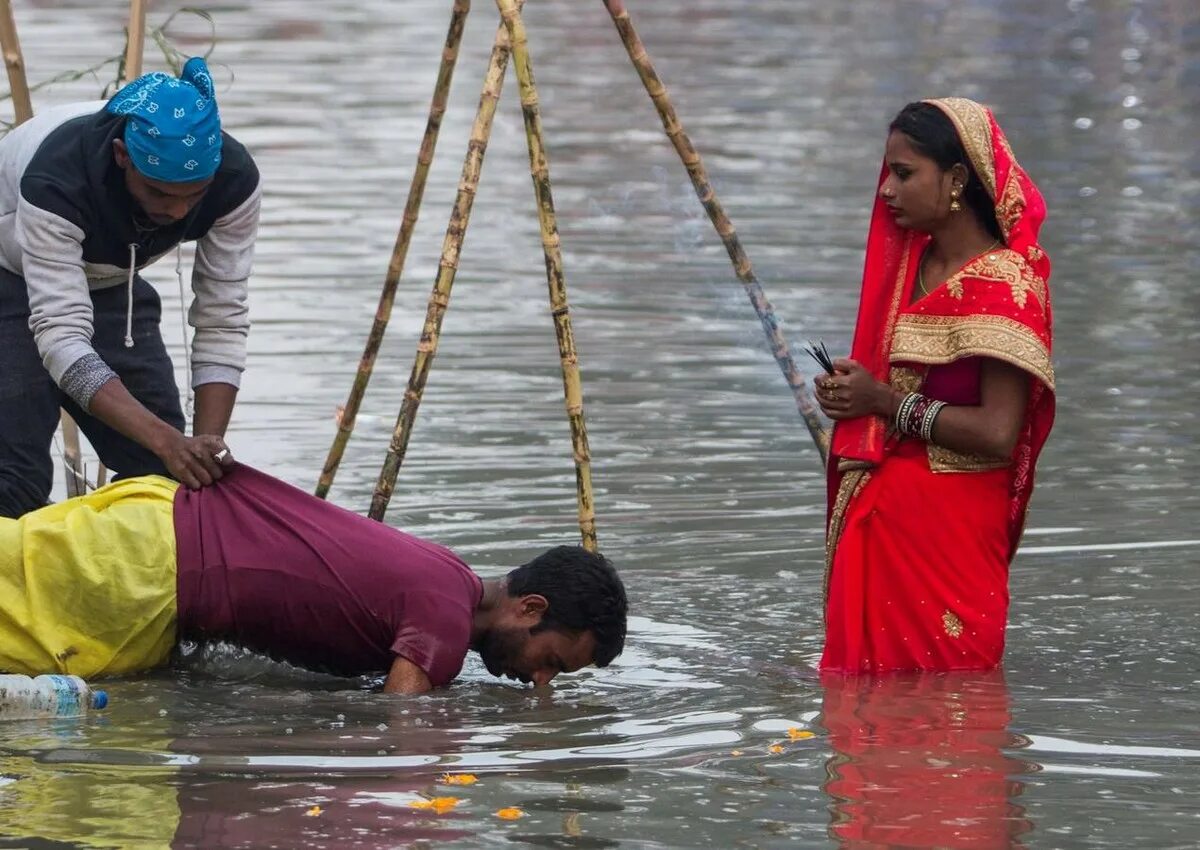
(276, 570)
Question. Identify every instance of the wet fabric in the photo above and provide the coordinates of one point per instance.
(87, 586)
(920, 576)
(920, 537)
(279, 571)
(172, 127)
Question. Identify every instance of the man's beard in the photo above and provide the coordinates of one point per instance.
(500, 649)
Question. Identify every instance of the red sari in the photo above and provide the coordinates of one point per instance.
(919, 536)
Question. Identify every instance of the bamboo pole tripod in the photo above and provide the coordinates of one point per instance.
(511, 41)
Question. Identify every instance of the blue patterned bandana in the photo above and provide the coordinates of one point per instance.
(173, 131)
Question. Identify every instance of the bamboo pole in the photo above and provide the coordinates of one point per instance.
(383, 313)
(439, 300)
(14, 63)
(708, 197)
(135, 41)
(539, 170)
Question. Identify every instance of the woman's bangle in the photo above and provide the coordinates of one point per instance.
(910, 412)
(931, 413)
(903, 411)
(916, 414)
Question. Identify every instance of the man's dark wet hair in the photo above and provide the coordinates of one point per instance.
(933, 134)
(585, 595)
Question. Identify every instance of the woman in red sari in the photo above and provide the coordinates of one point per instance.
(945, 404)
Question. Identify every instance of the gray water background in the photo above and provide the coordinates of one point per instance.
(708, 491)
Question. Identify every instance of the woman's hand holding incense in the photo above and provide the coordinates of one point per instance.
(851, 391)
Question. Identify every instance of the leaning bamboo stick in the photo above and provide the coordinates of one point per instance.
(708, 197)
(14, 63)
(439, 300)
(135, 41)
(539, 169)
(383, 313)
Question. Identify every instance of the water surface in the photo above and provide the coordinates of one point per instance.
(708, 492)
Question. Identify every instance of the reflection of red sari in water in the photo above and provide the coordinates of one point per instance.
(919, 761)
(920, 537)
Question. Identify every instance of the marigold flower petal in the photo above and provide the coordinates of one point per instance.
(775, 748)
(510, 813)
(437, 805)
(795, 734)
(458, 779)
(313, 812)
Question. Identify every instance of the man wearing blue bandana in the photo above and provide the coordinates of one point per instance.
(90, 194)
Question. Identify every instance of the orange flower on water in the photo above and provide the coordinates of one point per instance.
(313, 812)
(510, 813)
(458, 779)
(437, 805)
(775, 748)
(795, 734)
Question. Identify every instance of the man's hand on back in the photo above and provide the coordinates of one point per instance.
(193, 460)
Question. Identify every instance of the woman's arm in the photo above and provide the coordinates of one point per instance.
(990, 428)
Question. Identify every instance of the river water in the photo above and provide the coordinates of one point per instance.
(708, 492)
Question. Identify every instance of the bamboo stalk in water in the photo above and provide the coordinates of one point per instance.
(539, 169)
(412, 209)
(135, 41)
(14, 63)
(439, 300)
(708, 197)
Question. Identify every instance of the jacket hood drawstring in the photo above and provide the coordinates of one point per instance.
(187, 354)
(129, 295)
(189, 407)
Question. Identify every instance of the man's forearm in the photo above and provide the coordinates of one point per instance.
(113, 405)
(214, 406)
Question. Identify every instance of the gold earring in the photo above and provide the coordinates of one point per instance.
(955, 206)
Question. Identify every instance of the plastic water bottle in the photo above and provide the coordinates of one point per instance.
(23, 698)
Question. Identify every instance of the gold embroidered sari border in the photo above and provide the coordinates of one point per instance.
(938, 340)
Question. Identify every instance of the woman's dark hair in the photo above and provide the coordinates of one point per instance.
(933, 135)
(585, 595)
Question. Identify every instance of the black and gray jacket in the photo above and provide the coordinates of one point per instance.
(67, 225)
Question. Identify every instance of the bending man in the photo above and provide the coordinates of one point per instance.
(108, 583)
(90, 194)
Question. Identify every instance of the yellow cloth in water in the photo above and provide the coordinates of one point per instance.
(87, 586)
